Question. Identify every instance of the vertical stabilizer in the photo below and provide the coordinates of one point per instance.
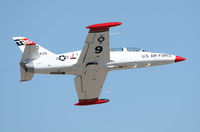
(21, 43)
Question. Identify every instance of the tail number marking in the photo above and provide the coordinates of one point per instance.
(98, 49)
(43, 53)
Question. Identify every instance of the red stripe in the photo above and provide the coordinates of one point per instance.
(103, 26)
(91, 101)
(28, 42)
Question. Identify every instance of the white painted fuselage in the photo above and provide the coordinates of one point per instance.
(67, 63)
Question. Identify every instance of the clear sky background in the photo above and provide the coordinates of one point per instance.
(157, 99)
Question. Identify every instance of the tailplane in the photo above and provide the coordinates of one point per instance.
(25, 74)
(30, 52)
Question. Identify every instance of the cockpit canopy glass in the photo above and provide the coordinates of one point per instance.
(116, 49)
(131, 49)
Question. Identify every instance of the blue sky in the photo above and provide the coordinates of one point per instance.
(164, 98)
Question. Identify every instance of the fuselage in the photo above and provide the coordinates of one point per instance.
(124, 58)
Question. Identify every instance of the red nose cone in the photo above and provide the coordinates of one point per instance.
(178, 58)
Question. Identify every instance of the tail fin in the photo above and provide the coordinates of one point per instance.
(30, 52)
(22, 41)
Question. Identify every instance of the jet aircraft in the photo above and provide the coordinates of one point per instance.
(91, 64)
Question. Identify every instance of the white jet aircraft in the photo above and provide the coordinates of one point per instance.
(90, 65)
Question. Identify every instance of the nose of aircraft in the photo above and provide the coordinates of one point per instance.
(178, 58)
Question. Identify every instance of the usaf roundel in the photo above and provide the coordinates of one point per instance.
(62, 57)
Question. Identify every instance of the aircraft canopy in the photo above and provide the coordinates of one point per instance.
(130, 49)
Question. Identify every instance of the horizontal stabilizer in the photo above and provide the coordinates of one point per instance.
(30, 52)
(25, 75)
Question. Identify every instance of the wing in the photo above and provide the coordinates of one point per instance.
(97, 44)
(89, 86)
(94, 56)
